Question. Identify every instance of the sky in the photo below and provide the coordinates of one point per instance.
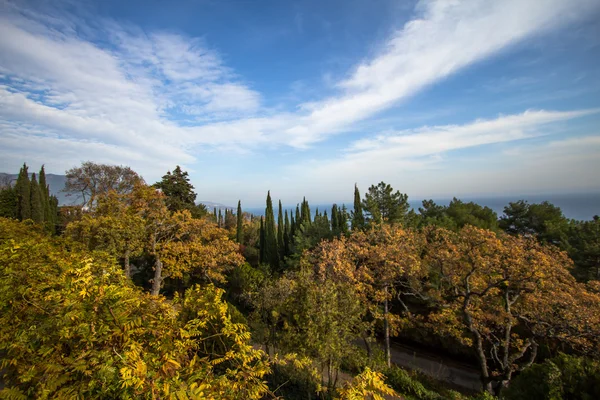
(438, 98)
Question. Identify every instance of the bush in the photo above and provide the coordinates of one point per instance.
(563, 377)
(356, 360)
(404, 383)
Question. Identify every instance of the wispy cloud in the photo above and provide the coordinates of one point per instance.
(403, 158)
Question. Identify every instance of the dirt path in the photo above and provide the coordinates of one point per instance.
(437, 367)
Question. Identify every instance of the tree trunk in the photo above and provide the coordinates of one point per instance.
(157, 281)
(127, 264)
(368, 346)
(386, 330)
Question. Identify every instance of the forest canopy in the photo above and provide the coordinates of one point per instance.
(141, 293)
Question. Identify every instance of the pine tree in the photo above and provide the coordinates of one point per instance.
(240, 221)
(358, 218)
(23, 189)
(271, 251)
(178, 189)
(37, 209)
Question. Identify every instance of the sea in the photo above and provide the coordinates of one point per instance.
(580, 206)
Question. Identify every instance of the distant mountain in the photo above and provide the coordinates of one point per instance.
(56, 183)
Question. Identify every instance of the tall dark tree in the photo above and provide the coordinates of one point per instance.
(305, 212)
(271, 251)
(239, 233)
(286, 235)
(45, 192)
(358, 218)
(383, 205)
(261, 242)
(334, 220)
(23, 189)
(37, 209)
(280, 232)
(298, 217)
(220, 223)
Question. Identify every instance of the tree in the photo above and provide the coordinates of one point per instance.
(9, 202)
(198, 249)
(180, 193)
(318, 317)
(23, 190)
(261, 242)
(37, 207)
(115, 227)
(71, 325)
(91, 179)
(286, 235)
(358, 219)
(280, 232)
(375, 262)
(584, 248)
(544, 220)
(457, 214)
(562, 377)
(45, 192)
(501, 295)
(384, 206)
(271, 252)
(239, 235)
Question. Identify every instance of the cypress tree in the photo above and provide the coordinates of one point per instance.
(286, 235)
(292, 226)
(23, 189)
(343, 219)
(334, 219)
(271, 252)
(261, 242)
(215, 215)
(240, 221)
(298, 218)
(45, 192)
(280, 229)
(37, 210)
(358, 218)
(54, 217)
(220, 223)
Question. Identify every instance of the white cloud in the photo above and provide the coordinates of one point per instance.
(408, 158)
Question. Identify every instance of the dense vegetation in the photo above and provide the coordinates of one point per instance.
(141, 293)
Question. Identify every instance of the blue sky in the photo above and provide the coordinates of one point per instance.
(438, 98)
